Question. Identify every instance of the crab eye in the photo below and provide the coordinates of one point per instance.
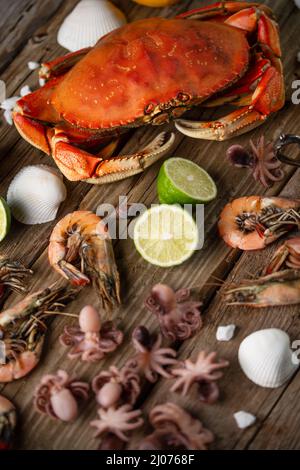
(183, 97)
(149, 108)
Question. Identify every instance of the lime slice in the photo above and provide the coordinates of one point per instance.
(5, 219)
(165, 235)
(183, 182)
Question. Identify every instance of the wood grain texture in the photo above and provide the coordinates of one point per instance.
(277, 425)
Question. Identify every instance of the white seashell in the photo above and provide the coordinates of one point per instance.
(25, 90)
(9, 103)
(8, 117)
(42, 81)
(88, 22)
(35, 194)
(266, 358)
(225, 333)
(244, 419)
(32, 65)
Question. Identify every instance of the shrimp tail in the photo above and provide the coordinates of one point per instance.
(102, 270)
(108, 288)
(70, 272)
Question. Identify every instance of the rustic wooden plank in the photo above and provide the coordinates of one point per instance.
(136, 274)
(18, 20)
(280, 430)
(237, 392)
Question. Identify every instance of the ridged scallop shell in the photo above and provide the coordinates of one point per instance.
(266, 358)
(35, 194)
(88, 22)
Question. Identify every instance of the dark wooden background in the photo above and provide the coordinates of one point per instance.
(28, 31)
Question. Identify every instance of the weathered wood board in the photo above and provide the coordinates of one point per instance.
(28, 32)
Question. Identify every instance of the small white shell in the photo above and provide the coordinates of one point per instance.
(244, 419)
(8, 116)
(32, 65)
(35, 194)
(88, 22)
(9, 103)
(225, 333)
(25, 90)
(266, 358)
(42, 81)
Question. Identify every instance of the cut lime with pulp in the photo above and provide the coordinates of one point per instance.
(165, 235)
(5, 219)
(184, 182)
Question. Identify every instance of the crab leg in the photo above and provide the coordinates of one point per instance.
(62, 64)
(221, 8)
(77, 164)
(268, 96)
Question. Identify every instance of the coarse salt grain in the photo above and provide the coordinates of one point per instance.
(244, 419)
(33, 65)
(225, 333)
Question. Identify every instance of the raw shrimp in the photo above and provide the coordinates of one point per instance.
(251, 223)
(287, 255)
(279, 288)
(23, 328)
(81, 236)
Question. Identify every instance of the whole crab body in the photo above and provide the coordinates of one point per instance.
(148, 72)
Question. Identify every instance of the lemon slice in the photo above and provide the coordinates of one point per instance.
(5, 219)
(184, 182)
(165, 235)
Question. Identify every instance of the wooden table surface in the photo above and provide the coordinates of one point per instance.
(28, 32)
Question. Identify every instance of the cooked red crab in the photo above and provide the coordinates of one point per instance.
(148, 72)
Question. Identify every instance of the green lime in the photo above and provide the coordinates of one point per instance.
(183, 182)
(165, 235)
(5, 219)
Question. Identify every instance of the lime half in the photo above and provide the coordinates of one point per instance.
(165, 235)
(5, 219)
(183, 182)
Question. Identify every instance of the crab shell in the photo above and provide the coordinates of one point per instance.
(150, 71)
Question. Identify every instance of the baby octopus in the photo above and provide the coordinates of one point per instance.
(150, 358)
(117, 421)
(179, 316)
(174, 428)
(204, 372)
(91, 341)
(260, 158)
(116, 386)
(58, 396)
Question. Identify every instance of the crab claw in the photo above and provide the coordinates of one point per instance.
(77, 164)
